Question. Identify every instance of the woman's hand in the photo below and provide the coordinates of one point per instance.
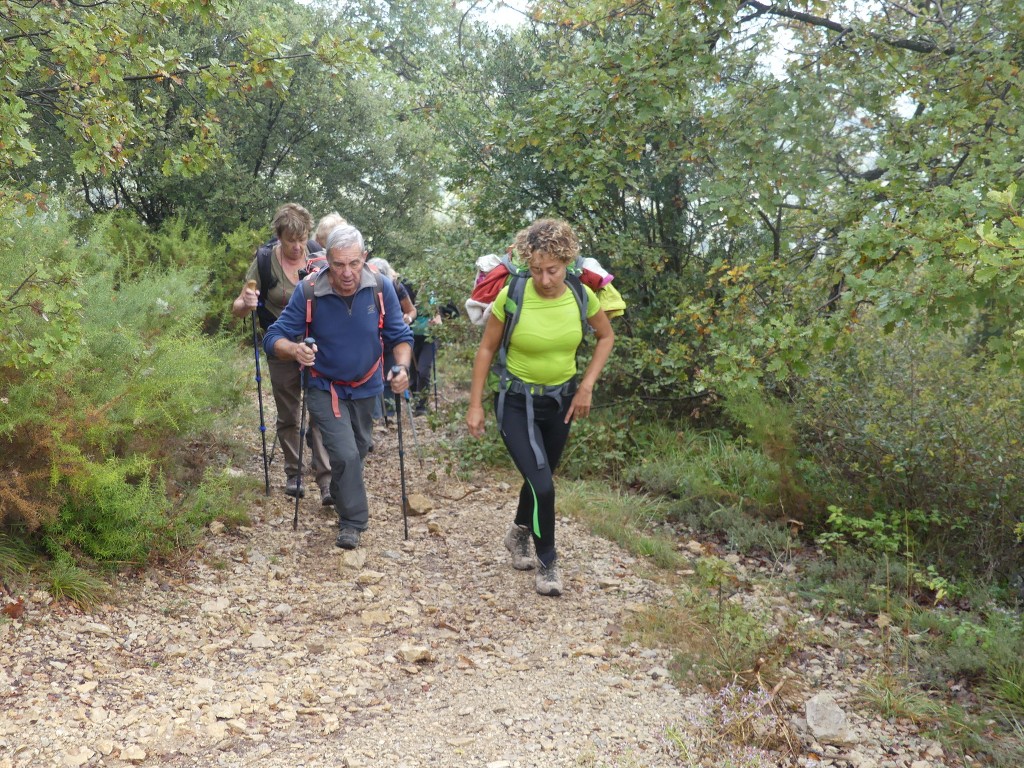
(475, 420)
(250, 298)
(580, 405)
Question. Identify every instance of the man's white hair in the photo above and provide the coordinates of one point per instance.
(344, 236)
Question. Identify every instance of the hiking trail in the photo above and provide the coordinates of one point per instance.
(272, 647)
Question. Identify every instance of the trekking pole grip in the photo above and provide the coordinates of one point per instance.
(309, 341)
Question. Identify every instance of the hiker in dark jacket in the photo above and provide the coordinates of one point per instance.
(282, 259)
(354, 312)
(540, 396)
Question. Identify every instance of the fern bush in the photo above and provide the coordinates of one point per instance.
(113, 511)
(99, 397)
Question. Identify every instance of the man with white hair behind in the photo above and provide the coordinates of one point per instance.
(352, 313)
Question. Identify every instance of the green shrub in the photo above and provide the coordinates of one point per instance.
(911, 430)
(67, 581)
(742, 531)
(113, 512)
(219, 496)
(716, 639)
(90, 420)
(856, 582)
(980, 646)
(602, 445)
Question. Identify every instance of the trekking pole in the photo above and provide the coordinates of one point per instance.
(384, 410)
(251, 285)
(395, 370)
(273, 450)
(412, 423)
(309, 341)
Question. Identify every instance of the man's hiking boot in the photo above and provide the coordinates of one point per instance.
(517, 541)
(347, 539)
(294, 488)
(548, 579)
(326, 500)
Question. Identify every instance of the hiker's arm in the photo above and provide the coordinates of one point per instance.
(245, 302)
(399, 382)
(580, 406)
(481, 365)
(408, 310)
(247, 298)
(300, 353)
(399, 336)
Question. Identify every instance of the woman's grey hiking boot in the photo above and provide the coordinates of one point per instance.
(548, 579)
(517, 541)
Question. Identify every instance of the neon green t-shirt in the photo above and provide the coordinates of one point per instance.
(542, 349)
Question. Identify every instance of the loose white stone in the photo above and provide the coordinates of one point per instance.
(133, 754)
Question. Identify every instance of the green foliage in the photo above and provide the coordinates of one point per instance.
(717, 639)
(601, 446)
(983, 645)
(89, 435)
(113, 512)
(743, 531)
(15, 557)
(858, 583)
(67, 581)
(916, 446)
(894, 697)
(629, 520)
(704, 469)
(219, 496)
(103, 76)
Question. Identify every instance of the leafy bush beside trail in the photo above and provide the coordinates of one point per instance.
(913, 434)
(106, 374)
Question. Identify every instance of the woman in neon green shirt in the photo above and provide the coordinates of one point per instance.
(539, 395)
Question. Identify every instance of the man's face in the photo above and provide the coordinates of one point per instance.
(346, 267)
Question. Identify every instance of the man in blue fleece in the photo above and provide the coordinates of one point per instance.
(348, 309)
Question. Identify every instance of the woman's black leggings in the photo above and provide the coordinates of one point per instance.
(536, 509)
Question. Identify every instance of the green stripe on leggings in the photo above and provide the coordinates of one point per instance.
(536, 511)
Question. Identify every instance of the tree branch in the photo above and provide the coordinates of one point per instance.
(916, 44)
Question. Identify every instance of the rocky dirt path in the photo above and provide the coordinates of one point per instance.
(271, 647)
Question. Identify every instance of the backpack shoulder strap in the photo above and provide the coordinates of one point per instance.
(306, 286)
(579, 292)
(265, 270)
(513, 309)
(264, 266)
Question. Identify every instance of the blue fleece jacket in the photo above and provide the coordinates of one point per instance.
(347, 340)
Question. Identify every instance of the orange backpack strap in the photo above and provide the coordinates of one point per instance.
(311, 308)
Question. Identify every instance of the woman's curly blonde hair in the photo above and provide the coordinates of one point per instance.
(547, 238)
